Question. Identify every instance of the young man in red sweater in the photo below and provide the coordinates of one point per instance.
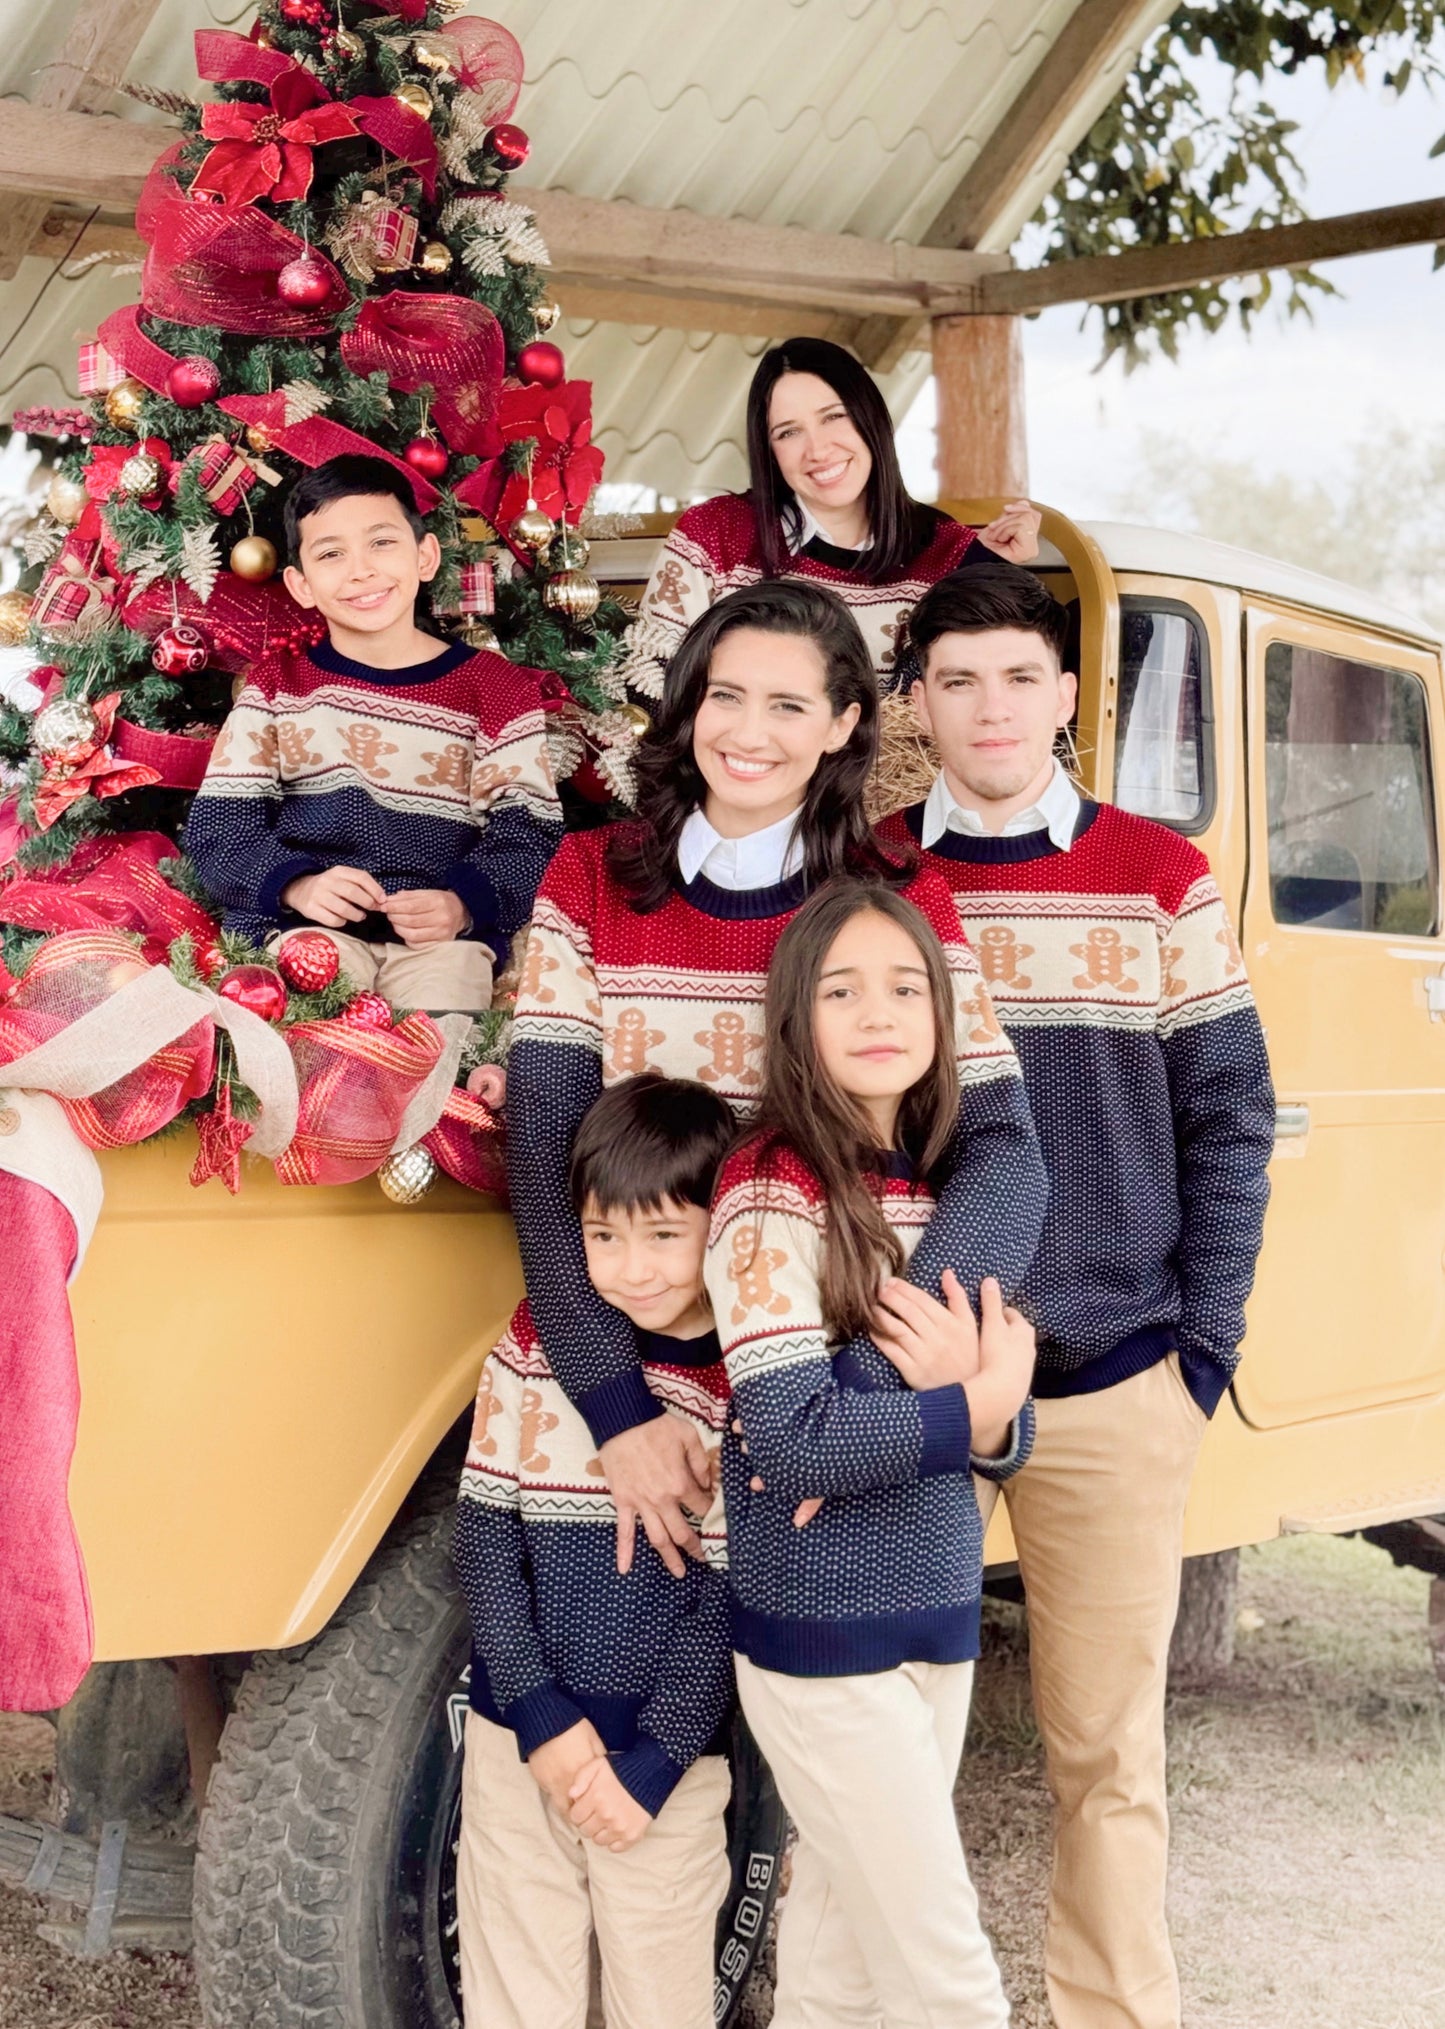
(1113, 968)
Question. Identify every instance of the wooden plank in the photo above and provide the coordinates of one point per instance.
(55, 237)
(978, 364)
(103, 38)
(1149, 271)
(639, 303)
(79, 157)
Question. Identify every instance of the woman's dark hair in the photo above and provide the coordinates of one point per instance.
(803, 1109)
(345, 478)
(642, 856)
(649, 1142)
(899, 525)
(983, 597)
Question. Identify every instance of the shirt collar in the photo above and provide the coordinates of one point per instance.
(801, 529)
(1056, 811)
(760, 860)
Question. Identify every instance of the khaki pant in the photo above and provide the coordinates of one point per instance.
(450, 978)
(531, 1890)
(1098, 1517)
(880, 1925)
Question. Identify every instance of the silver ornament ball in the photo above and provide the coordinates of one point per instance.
(408, 1175)
(65, 722)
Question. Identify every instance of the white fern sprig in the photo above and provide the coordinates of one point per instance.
(145, 567)
(482, 256)
(304, 399)
(200, 559)
(41, 542)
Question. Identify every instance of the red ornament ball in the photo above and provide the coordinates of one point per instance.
(369, 1011)
(305, 283)
(427, 456)
(304, 11)
(210, 959)
(308, 961)
(182, 650)
(509, 146)
(541, 363)
(257, 989)
(193, 381)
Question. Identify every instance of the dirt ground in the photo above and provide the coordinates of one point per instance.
(1308, 1795)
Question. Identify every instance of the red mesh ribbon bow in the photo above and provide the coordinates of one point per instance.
(88, 768)
(489, 64)
(112, 882)
(355, 1084)
(449, 343)
(265, 151)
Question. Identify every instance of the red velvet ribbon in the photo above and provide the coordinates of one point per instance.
(449, 343)
(316, 439)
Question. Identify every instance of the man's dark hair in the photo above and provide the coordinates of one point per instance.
(649, 1142)
(985, 596)
(345, 478)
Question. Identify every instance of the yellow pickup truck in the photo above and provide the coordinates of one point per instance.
(275, 1387)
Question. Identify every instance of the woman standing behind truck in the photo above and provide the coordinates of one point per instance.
(826, 503)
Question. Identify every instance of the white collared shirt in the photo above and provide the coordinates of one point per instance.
(1056, 812)
(760, 860)
(800, 529)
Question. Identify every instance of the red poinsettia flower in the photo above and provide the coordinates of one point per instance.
(265, 151)
(566, 464)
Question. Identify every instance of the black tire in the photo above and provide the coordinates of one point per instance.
(325, 1877)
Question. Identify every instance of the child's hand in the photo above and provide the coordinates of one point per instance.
(557, 1763)
(489, 1084)
(423, 916)
(605, 1812)
(929, 1344)
(1007, 1347)
(334, 897)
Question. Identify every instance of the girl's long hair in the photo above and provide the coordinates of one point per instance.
(899, 525)
(836, 838)
(802, 1108)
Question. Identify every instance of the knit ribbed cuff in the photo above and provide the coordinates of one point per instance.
(274, 885)
(947, 1432)
(477, 895)
(1020, 1445)
(1205, 1379)
(648, 1773)
(617, 1405)
(539, 1716)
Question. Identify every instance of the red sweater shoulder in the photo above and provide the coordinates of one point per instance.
(1145, 857)
(931, 895)
(724, 529)
(762, 1157)
(950, 544)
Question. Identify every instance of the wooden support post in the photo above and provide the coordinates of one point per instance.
(978, 365)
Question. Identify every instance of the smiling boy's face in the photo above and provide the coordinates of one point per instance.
(361, 565)
(649, 1265)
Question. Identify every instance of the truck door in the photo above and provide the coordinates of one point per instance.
(1342, 936)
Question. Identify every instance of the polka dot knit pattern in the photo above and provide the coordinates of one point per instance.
(890, 1569)
(606, 993)
(557, 1634)
(1117, 975)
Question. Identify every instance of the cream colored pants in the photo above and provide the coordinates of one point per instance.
(531, 1890)
(451, 978)
(880, 1929)
(1098, 1517)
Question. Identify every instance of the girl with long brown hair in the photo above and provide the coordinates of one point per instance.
(855, 1635)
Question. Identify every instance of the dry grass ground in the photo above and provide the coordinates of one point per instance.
(1309, 1822)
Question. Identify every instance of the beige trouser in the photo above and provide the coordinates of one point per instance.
(450, 978)
(880, 1925)
(531, 1890)
(1098, 1517)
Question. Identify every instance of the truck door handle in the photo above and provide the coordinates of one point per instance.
(1291, 1122)
(1435, 997)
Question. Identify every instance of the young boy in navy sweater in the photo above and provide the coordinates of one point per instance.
(391, 788)
(594, 1785)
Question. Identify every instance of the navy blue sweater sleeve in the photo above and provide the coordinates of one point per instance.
(499, 877)
(231, 832)
(689, 1700)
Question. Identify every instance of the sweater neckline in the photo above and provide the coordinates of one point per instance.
(329, 658)
(660, 1350)
(984, 851)
(744, 905)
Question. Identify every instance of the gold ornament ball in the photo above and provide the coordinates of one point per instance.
(254, 559)
(414, 97)
(349, 44)
(258, 440)
(639, 721)
(66, 500)
(436, 53)
(435, 258)
(140, 475)
(576, 595)
(14, 618)
(569, 551)
(67, 722)
(546, 313)
(264, 38)
(123, 403)
(480, 634)
(448, 8)
(408, 1175)
(532, 529)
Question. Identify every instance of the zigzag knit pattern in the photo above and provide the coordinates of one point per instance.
(1114, 969)
(557, 1635)
(606, 993)
(432, 776)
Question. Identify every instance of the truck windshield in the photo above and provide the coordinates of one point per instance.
(1161, 760)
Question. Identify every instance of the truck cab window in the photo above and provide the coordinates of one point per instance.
(1347, 788)
(1161, 754)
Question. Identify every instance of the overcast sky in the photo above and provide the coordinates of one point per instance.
(1292, 396)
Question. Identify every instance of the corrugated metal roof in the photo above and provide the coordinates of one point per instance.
(855, 116)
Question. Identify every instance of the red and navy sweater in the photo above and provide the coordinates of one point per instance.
(606, 993)
(1116, 973)
(432, 776)
(891, 1568)
(558, 1635)
(713, 550)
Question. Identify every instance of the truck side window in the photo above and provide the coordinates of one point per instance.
(1347, 787)
(1161, 752)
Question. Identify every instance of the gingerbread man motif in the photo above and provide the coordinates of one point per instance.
(999, 956)
(1174, 985)
(489, 779)
(536, 1422)
(365, 746)
(265, 747)
(595, 1468)
(981, 1023)
(630, 1042)
(1233, 956)
(450, 769)
(221, 750)
(488, 1406)
(729, 1043)
(534, 965)
(893, 632)
(1105, 958)
(294, 743)
(752, 1268)
(668, 589)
